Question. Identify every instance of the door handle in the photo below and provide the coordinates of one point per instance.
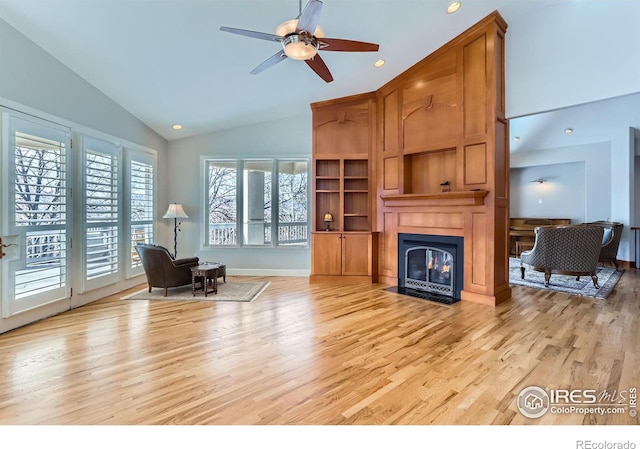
(2, 245)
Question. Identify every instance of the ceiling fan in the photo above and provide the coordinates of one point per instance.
(301, 39)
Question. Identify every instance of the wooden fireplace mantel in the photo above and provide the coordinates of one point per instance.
(461, 198)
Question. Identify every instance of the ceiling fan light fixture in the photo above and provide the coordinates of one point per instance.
(300, 46)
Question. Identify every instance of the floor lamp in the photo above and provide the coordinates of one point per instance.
(175, 211)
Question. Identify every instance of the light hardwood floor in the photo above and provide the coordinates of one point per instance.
(314, 353)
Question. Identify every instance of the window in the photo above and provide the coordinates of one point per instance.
(35, 178)
(101, 212)
(292, 202)
(141, 185)
(252, 201)
(221, 205)
(40, 211)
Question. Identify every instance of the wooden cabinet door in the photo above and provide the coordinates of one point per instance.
(327, 254)
(356, 254)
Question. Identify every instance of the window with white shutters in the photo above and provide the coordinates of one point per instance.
(101, 212)
(141, 186)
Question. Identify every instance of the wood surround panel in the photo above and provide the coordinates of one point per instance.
(475, 99)
(426, 105)
(475, 164)
(390, 175)
(391, 136)
(442, 220)
(451, 101)
(343, 127)
(424, 172)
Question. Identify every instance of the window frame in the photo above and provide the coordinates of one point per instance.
(148, 158)
(275, 201)
(114, 150)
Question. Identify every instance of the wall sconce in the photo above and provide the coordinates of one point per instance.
(328, 218)
(539, 180)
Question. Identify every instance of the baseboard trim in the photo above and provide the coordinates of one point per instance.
(266, 272)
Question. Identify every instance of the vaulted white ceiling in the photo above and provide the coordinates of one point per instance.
(166, 61)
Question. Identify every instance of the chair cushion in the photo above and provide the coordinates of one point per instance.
(608, 232)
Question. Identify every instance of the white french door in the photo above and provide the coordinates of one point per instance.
(101, 176)
(36, 219)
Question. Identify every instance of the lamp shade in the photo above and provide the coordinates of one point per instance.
(175, 211)
(328, 217)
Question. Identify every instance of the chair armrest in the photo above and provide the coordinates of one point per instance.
(187, 261)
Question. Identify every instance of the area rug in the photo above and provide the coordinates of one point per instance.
(236, 291)
(607, 279)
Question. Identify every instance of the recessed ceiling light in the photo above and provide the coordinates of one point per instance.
(516, 138)
(453, 7)
(379, 63)
(176, 127)
(568, 130)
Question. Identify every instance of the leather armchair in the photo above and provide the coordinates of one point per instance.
(610, 241)
(570, 249)
(162, 269)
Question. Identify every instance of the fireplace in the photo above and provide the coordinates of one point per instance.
(431, 266)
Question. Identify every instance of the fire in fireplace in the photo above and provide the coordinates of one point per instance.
(432, 264)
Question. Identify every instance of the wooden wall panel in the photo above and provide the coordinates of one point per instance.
(475, 164)
(391, 174)
(502, 161)
(390, 127)
(389, 246)
(428, 109)
(501, 256)
(426, 171)
(342, 129)
(475, 87)
(444, 220)
(479, 250)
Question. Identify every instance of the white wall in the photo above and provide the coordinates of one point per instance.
(280, 138)
(595, 159)
(562, 195)
(32, 77)
(572, 53)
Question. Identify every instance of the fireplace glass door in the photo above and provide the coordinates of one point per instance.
(429, 269)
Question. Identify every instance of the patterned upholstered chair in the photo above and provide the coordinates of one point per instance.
(571, 250)
(610, 241)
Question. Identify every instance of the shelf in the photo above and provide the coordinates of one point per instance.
(462, 198)
(329, 168)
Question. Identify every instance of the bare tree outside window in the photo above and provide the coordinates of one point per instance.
(258, 210)
(222, 211)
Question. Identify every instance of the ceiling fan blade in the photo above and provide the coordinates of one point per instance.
(310, 16)
(273, 60)
(254, 34)
(346, 45)
(317, 65)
